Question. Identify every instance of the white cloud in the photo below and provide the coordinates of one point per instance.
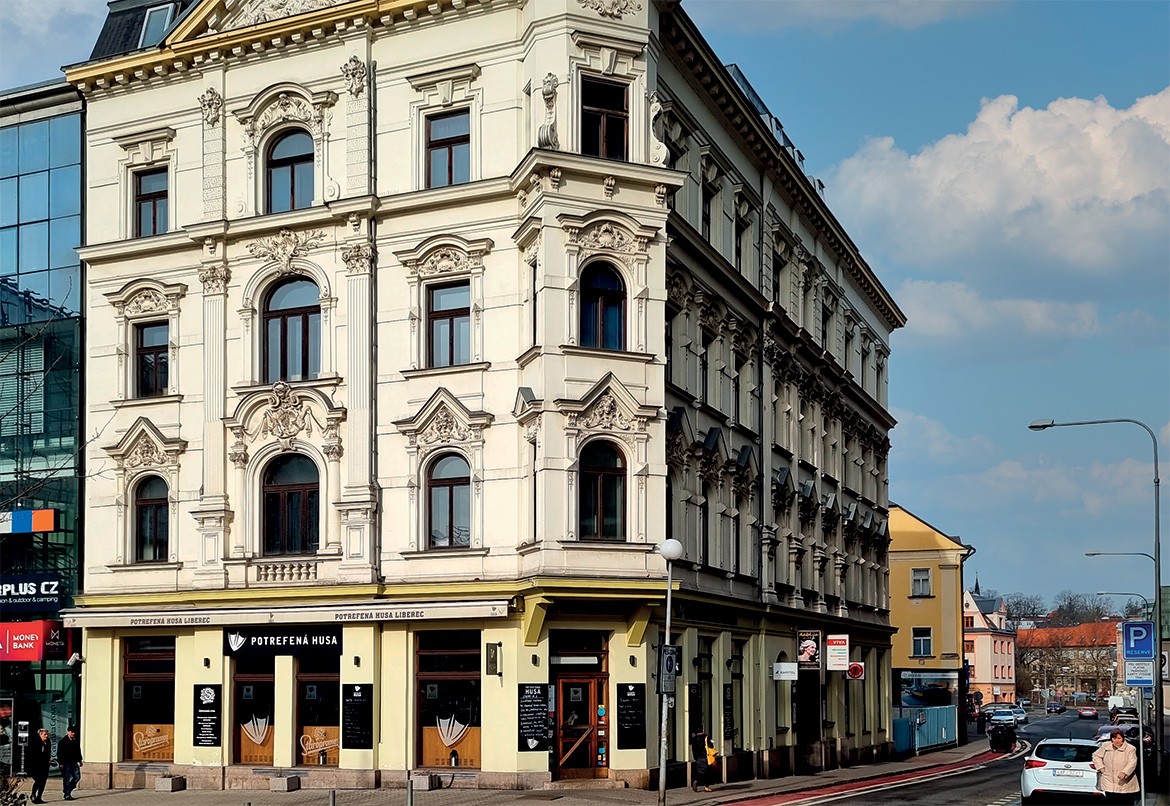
(954, 311)
(919, 438)
(42, 35)
(1078, 187)
(763, 16)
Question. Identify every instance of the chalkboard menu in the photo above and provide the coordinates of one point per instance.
(728, 712)
(532, 717)
(357, 716)
(631, 716)
(208, 725)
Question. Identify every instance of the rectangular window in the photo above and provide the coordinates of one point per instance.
(150, 203)
(709, 194)
(448, 696)
(150, 359)
(968, 647)
(705, 369)
(921, 642)
(148, 699)
(920, 582)
(449, 315)
(449, 149)
(968, 622)
(604, 118)
(155, 25)
(668, 348)
(254, 687)
(742, 228)
(318, 711)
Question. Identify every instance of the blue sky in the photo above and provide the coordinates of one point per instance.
(1005, 168)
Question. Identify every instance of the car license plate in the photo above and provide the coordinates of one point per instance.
(1070, 773)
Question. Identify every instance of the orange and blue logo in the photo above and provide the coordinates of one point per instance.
(27, 521)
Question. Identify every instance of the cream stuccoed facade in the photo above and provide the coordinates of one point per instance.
(413, 330)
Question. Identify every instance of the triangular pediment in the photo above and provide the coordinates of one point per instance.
(608, 406)
(444, 420)
(144, 446)
(213, 17)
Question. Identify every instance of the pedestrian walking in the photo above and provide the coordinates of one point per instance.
(1117, 764)
(705, 755)
(38, 754)
(69, 757)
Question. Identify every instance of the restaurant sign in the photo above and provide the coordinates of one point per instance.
(283, 640)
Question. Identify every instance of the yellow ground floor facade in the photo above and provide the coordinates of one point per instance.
(491, 691)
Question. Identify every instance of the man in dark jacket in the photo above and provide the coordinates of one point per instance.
(38, 754)
(69, 757)
(702, 770)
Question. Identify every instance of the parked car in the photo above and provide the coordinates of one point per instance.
(1002, 716)
(1021, 715)
(1024, 702)
(1059, 767)
(1087, 712)
(1055, 708)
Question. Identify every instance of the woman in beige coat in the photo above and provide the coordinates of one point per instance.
(1117, 764)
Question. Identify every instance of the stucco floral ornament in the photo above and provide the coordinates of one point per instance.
(444, 428)
(354, 71)
(286, 416)
(211, 102)
(283, 247)
(605, 414)
(612, 8)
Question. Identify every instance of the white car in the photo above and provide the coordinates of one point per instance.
(1002, 716)
(1059, 767)
(1021, 715)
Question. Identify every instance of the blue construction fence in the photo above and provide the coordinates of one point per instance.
(923, 729)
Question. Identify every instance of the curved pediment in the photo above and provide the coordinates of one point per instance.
(282, 414)
(143, 296)
(445, 254)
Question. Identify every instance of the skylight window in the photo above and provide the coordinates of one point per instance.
(154, 27)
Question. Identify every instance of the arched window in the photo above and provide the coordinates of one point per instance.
(150, 521)
(449, 503)
(289, 166)
(603, 308)
(292, 331)
(603, 492)
(291, 506)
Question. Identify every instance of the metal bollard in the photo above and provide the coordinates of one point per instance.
(409, 791)
(332, 797)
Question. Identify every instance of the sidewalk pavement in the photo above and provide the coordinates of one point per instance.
(723, 794)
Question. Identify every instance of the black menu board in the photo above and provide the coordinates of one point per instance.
(208, 724)
(631, 716)
(728, 712)
(357, 716)
(532, 717)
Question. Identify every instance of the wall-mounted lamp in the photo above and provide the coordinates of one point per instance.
(357, 660)
(536, 660)
(207, 663)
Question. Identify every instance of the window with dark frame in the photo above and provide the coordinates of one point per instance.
(708, 202)
(318, 708)
(742, 227)
(289, 167)
(292, 331)
(449, 149)
(603, 308)
(449, 503)
(291, 506)
(449, 324)
(151, 525)
(150, 203)
(602, 492)
(921, 642)
(668, 347)
(605, 118)
(148, 697)
(705, 367)
(705, 526)
(448, 694)
(151, 357)
(254, 703)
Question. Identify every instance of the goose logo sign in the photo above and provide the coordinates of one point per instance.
(293, 639)
(856, 671)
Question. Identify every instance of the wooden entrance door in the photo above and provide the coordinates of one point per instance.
(582, 737)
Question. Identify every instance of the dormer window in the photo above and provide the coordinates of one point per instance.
(154, 27)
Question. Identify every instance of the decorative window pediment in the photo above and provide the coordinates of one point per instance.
(609, 234)
(284, 103)
(143, 447)
(443, 421)
(443, 255)
(608, 408)
(147, 298)
(282, 415)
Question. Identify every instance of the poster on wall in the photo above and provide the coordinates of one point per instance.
(208, 725)
(532, 707)
(808, 649)
(928, 688)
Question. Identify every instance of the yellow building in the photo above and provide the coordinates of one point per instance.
(926, 605)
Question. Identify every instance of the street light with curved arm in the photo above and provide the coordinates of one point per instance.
(1159, 717)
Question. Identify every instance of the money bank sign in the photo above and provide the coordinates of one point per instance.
(32, 640)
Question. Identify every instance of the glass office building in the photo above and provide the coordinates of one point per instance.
(41, 219)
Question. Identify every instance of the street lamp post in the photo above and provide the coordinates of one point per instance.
(1159, 717)
(671, 550)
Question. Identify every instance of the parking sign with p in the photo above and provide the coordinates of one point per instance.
(1137, 640)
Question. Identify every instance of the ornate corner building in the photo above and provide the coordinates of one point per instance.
(413, 330)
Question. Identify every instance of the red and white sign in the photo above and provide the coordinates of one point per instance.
(836, 653)
(856, 671)
(32, 640)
